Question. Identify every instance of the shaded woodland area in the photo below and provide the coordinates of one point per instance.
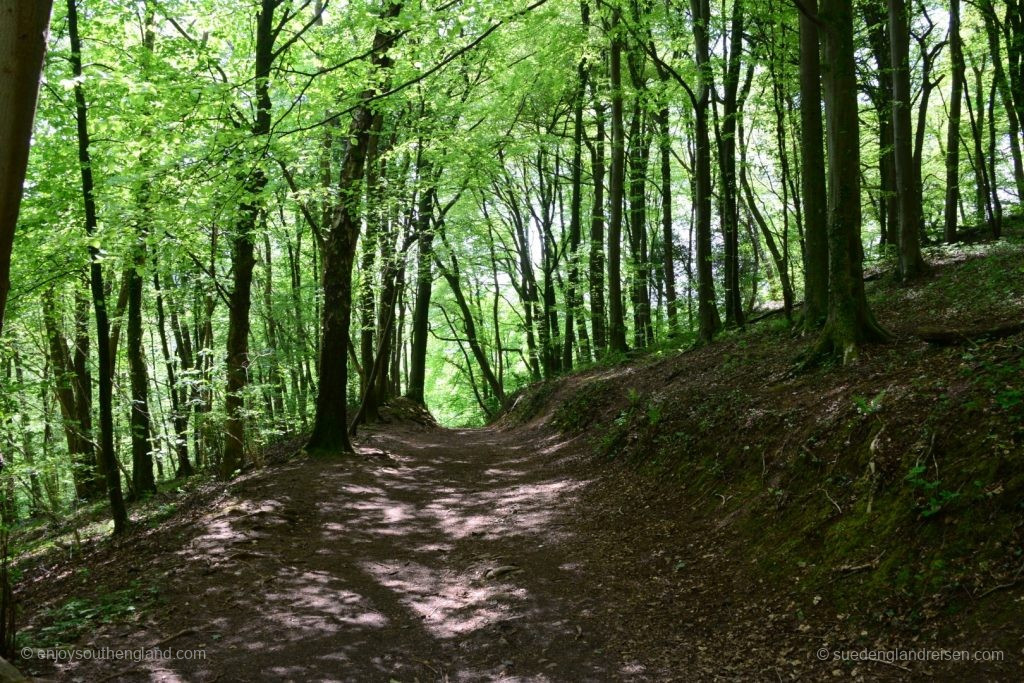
(233, 232)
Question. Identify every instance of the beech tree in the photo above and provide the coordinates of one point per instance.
(330, 426)
(850, 322)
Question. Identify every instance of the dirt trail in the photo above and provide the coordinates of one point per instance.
(468, 555)
(433, 555)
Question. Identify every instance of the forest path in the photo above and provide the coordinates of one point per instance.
(432, 555)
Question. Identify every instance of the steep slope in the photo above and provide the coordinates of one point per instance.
(886, 497)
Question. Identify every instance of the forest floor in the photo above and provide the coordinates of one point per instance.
(438, 555)
(706, 515)
(458, 555)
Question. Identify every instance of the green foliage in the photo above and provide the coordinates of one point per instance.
(937, 499)
(67, 622)
(869, 406)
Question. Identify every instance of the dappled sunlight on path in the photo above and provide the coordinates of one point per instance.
(431, 555)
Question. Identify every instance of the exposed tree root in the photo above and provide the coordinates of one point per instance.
(843, 341)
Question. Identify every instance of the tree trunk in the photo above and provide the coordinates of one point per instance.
(997, 205)
(243, 254)
(368, 333)
(910, 263)
(878, 35)
(667, 245)
(330, 428)
(140, 421)
(393, 280)
(107, 454)
(573, 301)
(424, 287)
(982, 190)
(596, 255)
(1012, 106)
(953, 130)
(812, 175)
(708, 320)
(850, 322)
(727, 164)
(70, 389)
(779, 258)
(142, 460)
(616, 319)
(23, 29)
(639, 153)
(179, 418)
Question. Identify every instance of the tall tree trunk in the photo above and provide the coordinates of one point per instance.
(953, 130)
(70, 390)
(878, 36)
(550, 351)
(708, 320)
(910, 263)
(779, 257)
(667, 244)
(976, 115)
(424, 287)
(36, 504)
(596, 255)
(107, 454)
(997, 205)
(779, 99)
(639, 153)
(179, 418)
(142, 459)
(243, 253)
(275, 360)
(850, 322)
(812, 175)
(23, 28)
(368, 333)
(330, 428)
(727, 164)
(393, 280)
(139, 418)
(616, 319)
(573, 301)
